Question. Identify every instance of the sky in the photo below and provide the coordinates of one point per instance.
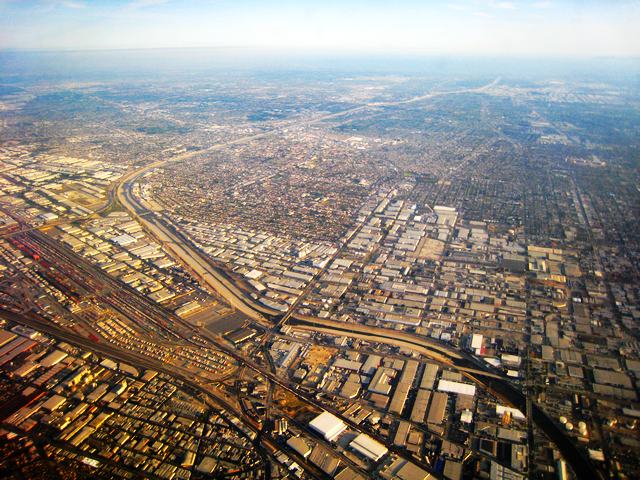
(553, 28)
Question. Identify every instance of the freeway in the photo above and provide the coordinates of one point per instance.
(438, 350)
(195, 261)
(474, 369)
(150, 313)
(428, 96)
(156, 319)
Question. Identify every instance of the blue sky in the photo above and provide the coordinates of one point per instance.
(485, 27)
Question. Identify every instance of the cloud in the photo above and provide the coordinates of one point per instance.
(481, 8)
(73, 4)
(146, 3)
(505, 5)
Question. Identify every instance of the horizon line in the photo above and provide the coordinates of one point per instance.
(323, 50)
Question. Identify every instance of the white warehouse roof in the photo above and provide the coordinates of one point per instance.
(456, 387)
(328, 425)
(367, 446)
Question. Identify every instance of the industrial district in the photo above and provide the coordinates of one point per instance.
(359, 277)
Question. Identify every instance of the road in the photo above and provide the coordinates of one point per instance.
(143, 309)
(196, 261)
(148, 314)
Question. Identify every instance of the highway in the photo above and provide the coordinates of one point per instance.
(187, 377)
(195, 261)
(154, 318)
(215, 400)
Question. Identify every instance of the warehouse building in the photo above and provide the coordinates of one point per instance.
(328, 425)
(368, 447)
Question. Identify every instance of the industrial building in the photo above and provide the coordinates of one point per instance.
(328, 425)
(368, 447)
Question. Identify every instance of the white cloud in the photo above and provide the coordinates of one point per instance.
(73, 4)
(146, 3)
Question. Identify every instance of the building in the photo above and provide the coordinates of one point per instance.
(368, 447)
(300, 446)
(437, 408)
(328, 425)
(456, 387)
(381, 382)
(241, 335)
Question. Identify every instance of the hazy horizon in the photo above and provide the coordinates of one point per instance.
(561, 28)
(140, 64)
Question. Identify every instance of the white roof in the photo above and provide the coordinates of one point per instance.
(368, 447)
(347, 364)
(328, 425)
(514, 359)
(253, 274)
(442, 208)
(456, 387)
(124, 240)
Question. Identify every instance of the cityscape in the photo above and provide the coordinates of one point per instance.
(318, 268)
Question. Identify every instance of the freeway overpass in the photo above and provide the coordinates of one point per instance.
(472, 368)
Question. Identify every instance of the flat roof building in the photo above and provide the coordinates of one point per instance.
(368, 447)
(437, 408)
(300, 446)
(328, 425)
(381, 381)
(456, 387)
